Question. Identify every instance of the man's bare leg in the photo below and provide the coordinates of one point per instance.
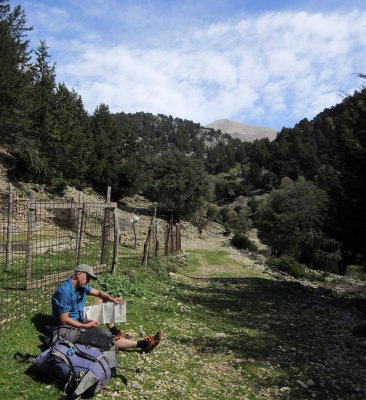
(125, 344)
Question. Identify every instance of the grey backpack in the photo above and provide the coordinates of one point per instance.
(83, 370)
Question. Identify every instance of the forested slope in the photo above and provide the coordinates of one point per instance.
(311, 178)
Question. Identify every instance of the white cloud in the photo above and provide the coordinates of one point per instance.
(290, 63)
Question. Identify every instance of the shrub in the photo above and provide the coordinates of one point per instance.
(356, 271)
(227, 231)
(288, 265)
(242, 241)
(213, 211)
(119, 286)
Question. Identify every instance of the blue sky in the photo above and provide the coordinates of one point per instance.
(268, 63)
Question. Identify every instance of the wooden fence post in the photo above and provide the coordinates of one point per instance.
(80, 221)
(29, 249)
(180, 238)
(157, 242)
(176, 238)
(9, 231)
(117, 235)
(134, 221)
(171, 236)
(148, 239)
(105, 229)
(167, 231)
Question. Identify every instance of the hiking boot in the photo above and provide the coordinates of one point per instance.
(153, 341)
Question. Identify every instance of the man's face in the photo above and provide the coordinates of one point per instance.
(83, 279)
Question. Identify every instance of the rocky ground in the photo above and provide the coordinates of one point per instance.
(262, 337)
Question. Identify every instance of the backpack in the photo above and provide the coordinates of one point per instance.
(84, 370)
(95, 337)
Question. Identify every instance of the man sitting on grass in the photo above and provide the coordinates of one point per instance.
(69, 300)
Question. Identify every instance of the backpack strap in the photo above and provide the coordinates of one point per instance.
(87, 381)
(85, 355)
(23, 357)
(63, 332)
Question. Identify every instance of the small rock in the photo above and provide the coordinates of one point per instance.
(310, 382)
(266, 327)
(251, 360)
(136, 386)
(221, 335)
(302, 384)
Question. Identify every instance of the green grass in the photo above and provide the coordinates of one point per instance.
(15, 302)
(233, 338)
(217, 264)
(53, 261)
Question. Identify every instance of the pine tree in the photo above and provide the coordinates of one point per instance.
(71, 141)
(43, 109)
(106, 152)
(15, 81)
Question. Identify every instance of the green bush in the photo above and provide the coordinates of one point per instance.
(161, 266)
(242, 241)
(119, 286)
(288, 265)
(227, 231)
(356, 271)
(213, 211)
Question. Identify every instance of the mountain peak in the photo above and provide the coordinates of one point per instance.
(246, 133)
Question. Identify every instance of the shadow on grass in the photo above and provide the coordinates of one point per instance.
(43, 323)
(302, 332)
(37, 376)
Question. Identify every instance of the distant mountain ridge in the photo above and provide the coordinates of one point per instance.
(246, 133)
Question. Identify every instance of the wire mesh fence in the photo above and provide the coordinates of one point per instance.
(144, 236)
(41, 242)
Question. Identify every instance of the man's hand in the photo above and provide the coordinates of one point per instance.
(117, 300)
(90, 324)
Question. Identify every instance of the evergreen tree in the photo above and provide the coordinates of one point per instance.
(105, 168)
(43, 119)
(70, 143)
(15, 82)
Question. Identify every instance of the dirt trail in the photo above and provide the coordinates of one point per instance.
(294, 339)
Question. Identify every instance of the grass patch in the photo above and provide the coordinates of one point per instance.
(217, 264)
(242, 338)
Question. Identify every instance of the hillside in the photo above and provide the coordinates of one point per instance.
(246, 133)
